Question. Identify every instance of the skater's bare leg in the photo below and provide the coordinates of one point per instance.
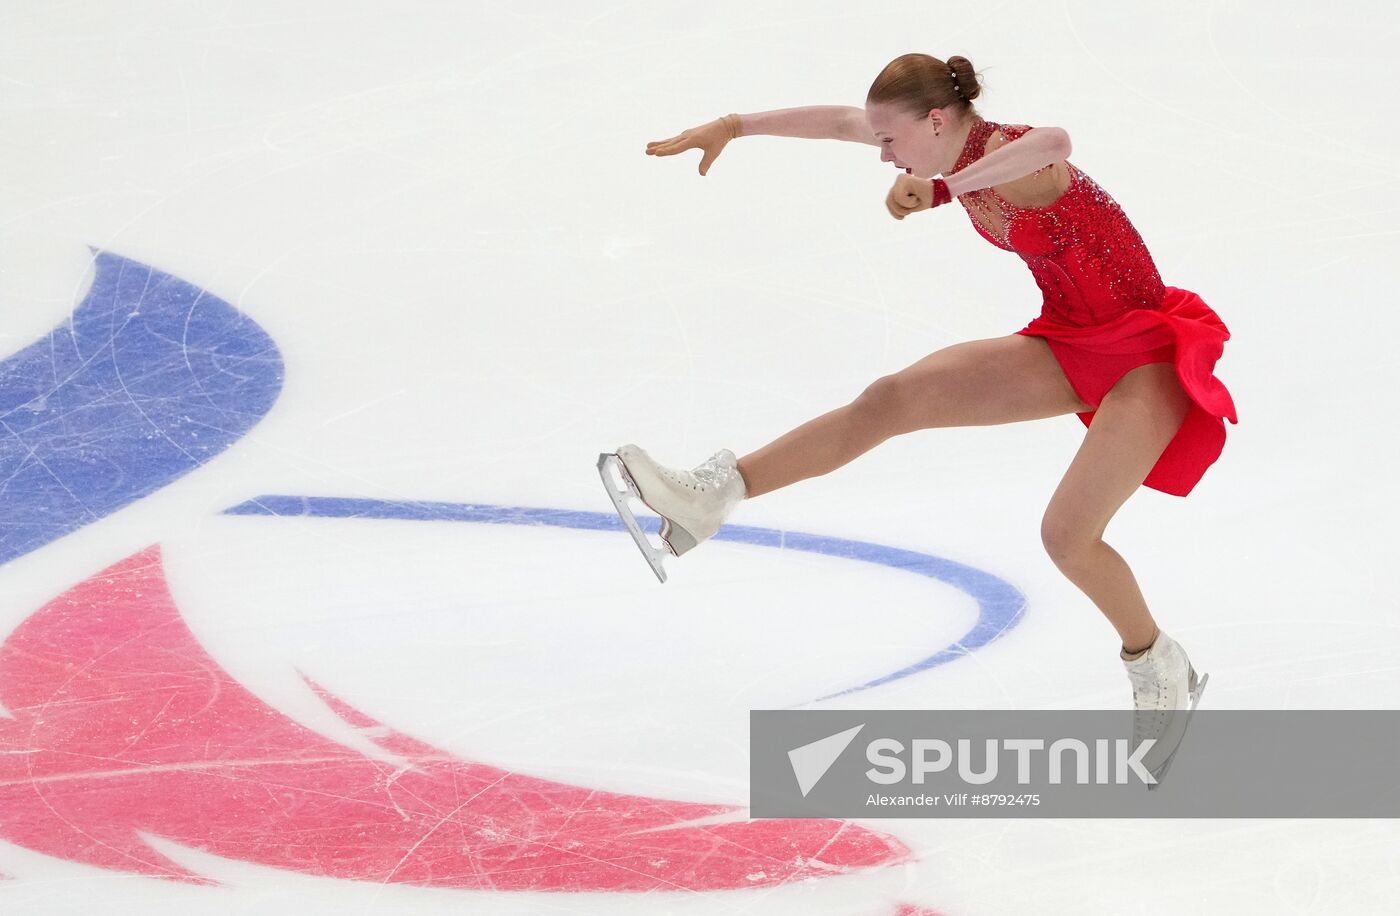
(1132, 426)
(978, 383)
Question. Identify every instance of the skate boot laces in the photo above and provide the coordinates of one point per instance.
(1152, 702)
(1161, 679)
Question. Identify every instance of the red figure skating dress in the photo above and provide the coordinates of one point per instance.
(1105, 309)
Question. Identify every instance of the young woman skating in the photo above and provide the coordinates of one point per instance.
(1132, 357)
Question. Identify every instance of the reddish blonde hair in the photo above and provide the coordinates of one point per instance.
(918, 83)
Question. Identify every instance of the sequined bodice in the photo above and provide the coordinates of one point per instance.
(1088, 260)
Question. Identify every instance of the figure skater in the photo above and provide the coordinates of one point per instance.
(1133, 358)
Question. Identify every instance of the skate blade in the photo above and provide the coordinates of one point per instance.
(620, 489)
(1195, 699)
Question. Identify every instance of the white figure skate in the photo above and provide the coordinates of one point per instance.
(1165, 693)
(692, 504)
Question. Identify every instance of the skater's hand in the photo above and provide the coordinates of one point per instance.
(710, 137)
(909, 195)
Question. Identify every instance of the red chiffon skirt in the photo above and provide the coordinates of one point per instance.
(1184, 331)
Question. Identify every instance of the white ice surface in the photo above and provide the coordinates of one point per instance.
(443, 215)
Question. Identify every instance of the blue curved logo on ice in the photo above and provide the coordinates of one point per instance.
(1000, 605)
(148, 379)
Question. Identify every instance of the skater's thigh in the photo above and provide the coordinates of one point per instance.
(978, 383)
(1131, 429)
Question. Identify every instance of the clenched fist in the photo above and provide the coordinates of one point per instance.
(910, 195)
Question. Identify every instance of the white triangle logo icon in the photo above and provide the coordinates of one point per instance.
(811, 761)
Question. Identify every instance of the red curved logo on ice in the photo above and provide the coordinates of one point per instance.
(123, 726)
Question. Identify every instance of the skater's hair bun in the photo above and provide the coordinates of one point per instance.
(919, 83)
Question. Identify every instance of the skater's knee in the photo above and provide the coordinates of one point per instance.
(883, 401)
(1069, 543)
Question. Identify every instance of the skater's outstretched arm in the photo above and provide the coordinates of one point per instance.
(816, 122)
